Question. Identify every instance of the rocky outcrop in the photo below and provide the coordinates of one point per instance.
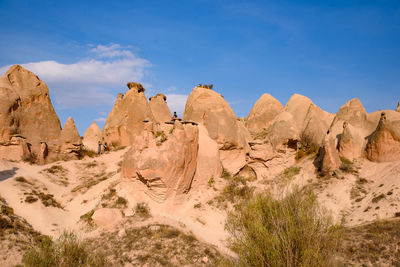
(350, 143)
(208, 159)
(208, 108)
(263, 112)
(329, 156)
(91, 137)
(164, 159)
(26, 110)
(384, 143)
(125, 120)
(15, 149)
(159, 108)
(70, 140)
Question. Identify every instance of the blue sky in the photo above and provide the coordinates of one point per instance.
(86, 51)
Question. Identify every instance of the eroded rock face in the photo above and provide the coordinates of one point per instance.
(330, 156)
(15, 149)
(125, 120)
(70, 140)
(159, 108)
(350, 143)
(91, 137)
(26, 110)
(208, 159)
(384, 143)
(263, 112)
(164, 159)
(208, 108)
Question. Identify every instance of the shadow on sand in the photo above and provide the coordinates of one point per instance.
(4, 175)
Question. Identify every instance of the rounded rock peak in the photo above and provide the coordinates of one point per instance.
(164, 97)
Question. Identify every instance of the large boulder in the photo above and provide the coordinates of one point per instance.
(125, 120)
(263, 112)
(350, 143)
(70, 140)
(26, 110)
(91, 137)
(159, 108)
(164, 159)
(209, 108)
(384, 143)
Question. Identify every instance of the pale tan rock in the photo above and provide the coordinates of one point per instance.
(70, 140)
(330, 156)
(282, 130)
(207, 107)
(384, 143)
(164, 161)
(350, 143)
(106, 217)
(16, 149)
(125, 120)
(263, 112)
(91, 137)
(159, 108)
(208, 159)
(26, 109)
(261, 151)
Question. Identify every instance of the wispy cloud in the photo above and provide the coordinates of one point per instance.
(92, 81)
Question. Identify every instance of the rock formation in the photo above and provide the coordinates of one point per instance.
(91, 137)
(300, 120)
(26, 111)
(263, 112)
(208, 108)
(329, 156)
(125, 120)
(164, 159)
(384, 143)
(70, 140)
(208, 159)
(398, 107)
(159, 108)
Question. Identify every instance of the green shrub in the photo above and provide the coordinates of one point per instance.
(236, 190)
(292, 231)
(290, 172)
(142, 209)
(121, 202)
(211, 182)
(347, 166)
(68, 250)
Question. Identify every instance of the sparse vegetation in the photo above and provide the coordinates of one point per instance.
(211, 182)
(92, 181)
(292, 231)
(291, 172)
(208, 86)
(68, 250)
(142, 210)
(306, 150)
(56, 169)
(21, 179)
(160, 136)
(197, 205)
(46, 199)
(374, 244)
(87, 217)
(154, 245)
(87, 153)
(347, 166)
(378, 198)
(121, 202)
(236, 190)
(30, 199)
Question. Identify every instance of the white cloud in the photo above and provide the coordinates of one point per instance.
(177, 102)
(101, 119)
(93, 81)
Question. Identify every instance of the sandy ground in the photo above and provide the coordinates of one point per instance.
(370, 193)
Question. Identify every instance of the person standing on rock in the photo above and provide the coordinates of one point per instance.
(99, 148)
